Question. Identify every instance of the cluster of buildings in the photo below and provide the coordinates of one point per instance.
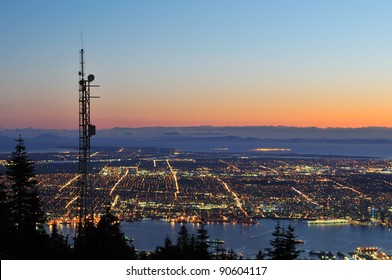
(221, 187)
(370, 253)
(168, 185)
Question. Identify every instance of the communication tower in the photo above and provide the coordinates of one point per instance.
(86, 131)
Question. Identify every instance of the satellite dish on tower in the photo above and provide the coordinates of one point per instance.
(90, 78)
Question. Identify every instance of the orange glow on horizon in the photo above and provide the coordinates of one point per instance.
(298, 106)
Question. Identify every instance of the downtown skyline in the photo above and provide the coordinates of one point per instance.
(192, 63)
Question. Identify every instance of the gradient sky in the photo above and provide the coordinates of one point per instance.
(197, 62)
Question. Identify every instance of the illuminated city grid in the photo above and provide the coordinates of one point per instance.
(220, 187)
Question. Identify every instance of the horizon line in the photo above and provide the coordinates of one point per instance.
(210, 126)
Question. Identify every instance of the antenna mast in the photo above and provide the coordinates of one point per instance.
(86, 130)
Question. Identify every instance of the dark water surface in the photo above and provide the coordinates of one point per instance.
(249, 239)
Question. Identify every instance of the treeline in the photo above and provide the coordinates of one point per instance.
(22, 233)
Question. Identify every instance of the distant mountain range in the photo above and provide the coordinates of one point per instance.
(200, 138)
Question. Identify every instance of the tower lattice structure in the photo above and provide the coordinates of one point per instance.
(86, 131)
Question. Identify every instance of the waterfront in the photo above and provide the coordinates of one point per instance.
(249, 239)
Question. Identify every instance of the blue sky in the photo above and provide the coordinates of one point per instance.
(322, 63)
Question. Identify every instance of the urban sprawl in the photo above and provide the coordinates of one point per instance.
(221, 187)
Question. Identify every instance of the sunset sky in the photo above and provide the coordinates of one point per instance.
(197, 62)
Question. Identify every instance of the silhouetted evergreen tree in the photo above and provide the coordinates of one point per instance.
(283, 246)
(112, 241)
(277, 244)
(168, 243)
(105, 241)
(183, 243)
(192, 248)
(26, 213)
(291, 253)
(260, 255)
(183, 238)
(202, 252)
(84, 241)
(167, 252)
(188, 247)
(6, 227)
(58, 245)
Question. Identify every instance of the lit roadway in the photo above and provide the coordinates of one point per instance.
(69, 182)
(114, 202)
(235, 196)
(231, 165)
(305, 196)
(270, 169)
(175, 179)
(94, 154)
(63, 186)
(119, 180)
(346, 187)
(389, 183)
(73, 200)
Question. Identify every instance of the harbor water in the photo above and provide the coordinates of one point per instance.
(249, 239)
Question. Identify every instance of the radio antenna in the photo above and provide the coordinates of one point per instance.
(86, 131)
(81, 39)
